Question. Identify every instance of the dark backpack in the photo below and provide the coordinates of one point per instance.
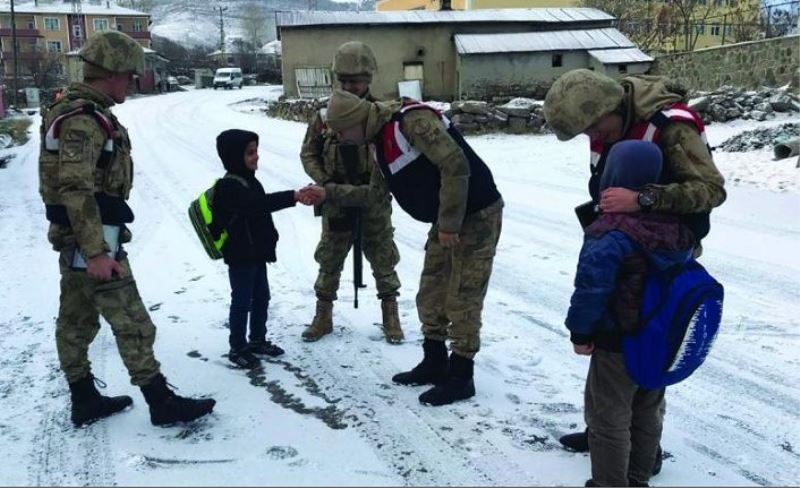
(201, 214)
(681, 313)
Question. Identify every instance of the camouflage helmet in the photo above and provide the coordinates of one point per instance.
(578, 99)
(114, 52)
(354, 59)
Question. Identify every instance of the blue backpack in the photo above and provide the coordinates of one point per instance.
(681, 313)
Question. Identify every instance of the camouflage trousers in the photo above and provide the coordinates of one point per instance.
(455, 280)
(83, 301)
(377, 242)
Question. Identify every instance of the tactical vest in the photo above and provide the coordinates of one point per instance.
(415, 181)
(113, 172)
(650, 130)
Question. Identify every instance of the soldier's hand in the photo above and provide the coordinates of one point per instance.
(102, 267)
(311, 195)
(448, 239)
(583, 349)
(619, 200)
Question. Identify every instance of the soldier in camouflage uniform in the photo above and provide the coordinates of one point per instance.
(86, 174)
(353, 65)
(647, 108)
(437, 178)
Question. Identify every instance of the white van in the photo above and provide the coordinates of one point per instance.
(228, 78)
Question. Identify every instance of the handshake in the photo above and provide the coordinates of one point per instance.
(310, 195)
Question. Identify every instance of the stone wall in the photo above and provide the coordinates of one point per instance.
(514, 116)
(771, 62)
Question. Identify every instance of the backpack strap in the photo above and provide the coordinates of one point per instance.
(235, 177)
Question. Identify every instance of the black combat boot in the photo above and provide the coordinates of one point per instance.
(577, 441)
(431, 371)
(166, 407)
(457, 386)
(88, 405)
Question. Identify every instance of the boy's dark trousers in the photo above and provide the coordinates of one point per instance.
(624, 422)
(249, 294)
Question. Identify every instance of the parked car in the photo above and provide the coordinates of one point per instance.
(228, 78)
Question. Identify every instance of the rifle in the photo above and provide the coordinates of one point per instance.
(349, 155)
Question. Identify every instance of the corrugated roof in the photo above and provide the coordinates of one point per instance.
(66, 8)
(620, 56)
(563, 40)
(541, 15)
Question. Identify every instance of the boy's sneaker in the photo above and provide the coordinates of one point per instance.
(265, 348)
(243, 359)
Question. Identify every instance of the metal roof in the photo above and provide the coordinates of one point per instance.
(620, 56)
(66, 8)
(540, 15)
(562, 40)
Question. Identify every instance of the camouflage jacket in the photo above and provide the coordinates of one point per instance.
(693, 184)
(424, 131)
(92, 158)
(320, 156)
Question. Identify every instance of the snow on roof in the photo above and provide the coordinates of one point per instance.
(541, 15)
(563, 40)
(272, 47)
(620, 56)
(66, 8)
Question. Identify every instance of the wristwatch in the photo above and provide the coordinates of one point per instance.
(646, 198)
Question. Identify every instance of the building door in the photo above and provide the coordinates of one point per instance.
(313, 82)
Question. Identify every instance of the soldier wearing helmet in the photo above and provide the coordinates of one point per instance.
(85, 175)
(648, 108)
(323, 159)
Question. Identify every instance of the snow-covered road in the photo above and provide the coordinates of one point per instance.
(327, 413)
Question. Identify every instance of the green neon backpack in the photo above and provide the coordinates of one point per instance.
(201, 214)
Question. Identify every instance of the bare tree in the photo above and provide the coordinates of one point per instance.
(141, 5)
(254, 23)
(746, 23)
(46, 68)
(690, 13)
(781, 20)
(650, 25)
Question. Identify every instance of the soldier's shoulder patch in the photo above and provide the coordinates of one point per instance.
(73, 144)
(425, 128)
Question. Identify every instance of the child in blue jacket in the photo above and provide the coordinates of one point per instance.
(619, 249)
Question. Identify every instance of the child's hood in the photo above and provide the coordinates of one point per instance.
(231, 145)
(663, 239)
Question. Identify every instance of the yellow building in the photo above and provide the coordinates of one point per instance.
(46, 32)
(711, 23)
(388, 5)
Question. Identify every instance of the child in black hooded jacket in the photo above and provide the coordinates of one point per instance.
(243, 210)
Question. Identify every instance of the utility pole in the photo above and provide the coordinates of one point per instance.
(15, 51)
(222, 34)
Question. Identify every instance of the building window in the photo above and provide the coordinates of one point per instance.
(32, 24)
(558, 60)
(413, 71)
(728, 30)
(138, 25)
(52, 24)
(701, 28)
(101, 24)
(313, 82)
(715, 29)
(54, 47)
(77, 31)
(623, 68)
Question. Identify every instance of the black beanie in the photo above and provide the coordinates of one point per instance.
(632, 165)
(231, 145)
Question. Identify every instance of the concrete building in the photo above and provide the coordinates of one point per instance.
(710, 22)
(525, 64)
(47, 31)
(424, 46)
